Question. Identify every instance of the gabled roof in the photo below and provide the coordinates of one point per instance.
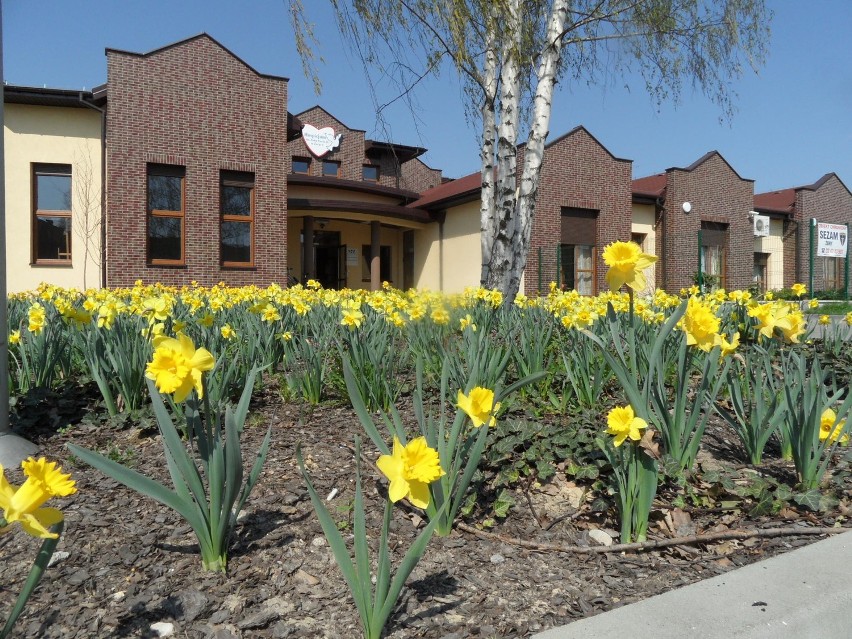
(329, 114)
(651, 186)
(197, 37)
(575, 130)
(464, 189)
(784, 200)
(703, 159)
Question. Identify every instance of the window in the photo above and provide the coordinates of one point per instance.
(301, 165)
(370, 173)
(384, 263)
(761, 268)
(576, 251)
(578, 267)
(714, 238)
(330, 168)
(237, 205)
(51, 213)
(166, 208)
(834, 273)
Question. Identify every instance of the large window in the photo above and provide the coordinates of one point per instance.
(713, 266)
(578, 267)
(51, 213)
(237, 195)
(577, 252)
(166, 213)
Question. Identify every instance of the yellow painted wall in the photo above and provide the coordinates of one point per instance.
(453, 263)
(54, 135)
(644, 219)
(774, 245)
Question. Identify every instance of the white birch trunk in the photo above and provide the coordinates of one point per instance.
(487, 210)
(524, 211)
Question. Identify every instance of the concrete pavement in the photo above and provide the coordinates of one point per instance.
(803, 594)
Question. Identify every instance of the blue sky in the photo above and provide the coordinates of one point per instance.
(793, 122)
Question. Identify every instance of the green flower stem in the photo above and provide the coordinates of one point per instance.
(36, 572)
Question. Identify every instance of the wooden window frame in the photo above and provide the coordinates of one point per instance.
(330, 162)
(370, 166)
(240, 180)
(573, 261)
(63, 170)
(165, 170)
(300, 159)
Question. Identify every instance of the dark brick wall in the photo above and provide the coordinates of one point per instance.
(830, 202)
(194, 104)
(417, 176)
(577, 172)
(717, 194)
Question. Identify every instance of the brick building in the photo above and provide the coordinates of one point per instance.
(207, 177)
(703, 223)
(827, 200)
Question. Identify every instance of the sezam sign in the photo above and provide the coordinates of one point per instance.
(320, 141)
(831, 240)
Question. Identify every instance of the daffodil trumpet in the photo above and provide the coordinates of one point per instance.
(376, 600)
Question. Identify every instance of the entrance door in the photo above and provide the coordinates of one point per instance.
(341, 266)
(328, 262)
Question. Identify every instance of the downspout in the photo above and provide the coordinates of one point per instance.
(103, 185)
(660, 240)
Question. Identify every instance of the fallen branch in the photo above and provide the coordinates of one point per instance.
(654, 543)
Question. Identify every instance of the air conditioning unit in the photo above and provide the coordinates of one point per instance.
(761, 225)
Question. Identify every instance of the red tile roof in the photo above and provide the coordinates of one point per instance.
(783, 200)
(653, 185)
(462, 188)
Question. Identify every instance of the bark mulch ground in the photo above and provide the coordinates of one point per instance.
(126, 563)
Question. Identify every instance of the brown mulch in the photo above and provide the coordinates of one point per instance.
(128, 563)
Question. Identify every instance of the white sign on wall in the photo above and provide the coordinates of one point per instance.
(351, 256)
(831, 240)
(320, 141)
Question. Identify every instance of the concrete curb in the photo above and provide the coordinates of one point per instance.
(805, 594)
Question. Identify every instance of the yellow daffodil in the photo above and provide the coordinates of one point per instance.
(467, 322)
(824, 320)
(621, 423)
(36, 317)
(206, 320)
(814, 303)
(15, 337)
(728, 348)
(410, 470)
(440, 316)
(700, 325)
(228, 332)
(830, 430)
(352, 318)
(177, 366)
(23, 505)
(479, 406)
(769, 296)
(849, 319)
(799, 289)
(627, 264)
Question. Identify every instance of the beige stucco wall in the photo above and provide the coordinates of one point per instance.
(450, 259)
(330, 193)
(644, 218)
(54, 135)
(774, 246)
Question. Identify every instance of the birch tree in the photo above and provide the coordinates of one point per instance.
(510, 54)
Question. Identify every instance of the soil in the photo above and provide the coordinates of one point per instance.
(126, 563)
